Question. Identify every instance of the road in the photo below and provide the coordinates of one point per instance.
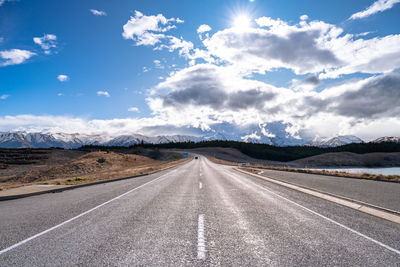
(377, 193)
(197, 214)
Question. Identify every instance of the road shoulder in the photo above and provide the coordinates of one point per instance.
(350, 203)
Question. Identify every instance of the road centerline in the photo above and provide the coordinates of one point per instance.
(201, 243)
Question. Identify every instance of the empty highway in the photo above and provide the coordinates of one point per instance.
(196, 214)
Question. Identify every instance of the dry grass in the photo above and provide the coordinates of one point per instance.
(221, 161)
(92, 167)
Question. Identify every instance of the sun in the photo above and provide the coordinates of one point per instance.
(241, 23)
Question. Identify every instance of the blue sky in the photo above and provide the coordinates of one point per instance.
(119, 79)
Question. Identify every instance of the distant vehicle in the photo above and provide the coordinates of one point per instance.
(196, 157)
(244, 164)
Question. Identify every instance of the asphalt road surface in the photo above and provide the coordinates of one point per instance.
(197, 214)
(378, 193)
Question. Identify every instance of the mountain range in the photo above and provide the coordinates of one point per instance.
(22, 139)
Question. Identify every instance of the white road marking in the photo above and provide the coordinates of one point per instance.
(80, 215)
(200, 185)
(336, 199)
(201, 242)
(326, 218)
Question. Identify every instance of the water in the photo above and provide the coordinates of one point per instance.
(384, 171)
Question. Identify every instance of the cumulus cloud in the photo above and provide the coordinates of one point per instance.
(98, 12)
(205, 94)
(56, 124)
(260, 50)
(62, 78)
(307, 84)
(151, 31)
(148, 30)
(377, 97)
(103, 93)
(134, 109)
(15, 56)
(203, 28)
(313, 47)
(377, 6)
(209, 85)
(303, 17)
(46, 42)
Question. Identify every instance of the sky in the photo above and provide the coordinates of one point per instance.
(320, 68)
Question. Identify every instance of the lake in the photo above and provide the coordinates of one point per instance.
(384, 171)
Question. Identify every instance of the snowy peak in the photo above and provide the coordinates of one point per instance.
(64, 140)
(387, 139)
(337, 141)
(271, 135)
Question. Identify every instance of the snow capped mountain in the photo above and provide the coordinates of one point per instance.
(64, 140)
(24, 139)
(336, 141)
(129, 140)
(387, 139)
(266, 134)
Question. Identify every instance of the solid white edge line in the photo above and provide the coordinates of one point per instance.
(336, 199)
(328, 219)
(80, 215)
(201, 243)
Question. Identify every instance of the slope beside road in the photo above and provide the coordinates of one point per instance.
(199, 213)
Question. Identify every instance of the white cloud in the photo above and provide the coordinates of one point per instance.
(313, 47)
(134, 109)
(157, 63)
(303, 17)
(60, 94)
(15, 56)
(46, 42)
(148, 30)
(103, 93)
(205, 95)
(203, 28)
(3, 97)
(56, 124)
(98, 12)
(377, 6)
(62, 78)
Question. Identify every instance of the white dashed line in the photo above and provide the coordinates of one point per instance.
(201, 242)
(200, 185)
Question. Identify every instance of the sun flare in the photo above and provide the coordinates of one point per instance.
(241, 22)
